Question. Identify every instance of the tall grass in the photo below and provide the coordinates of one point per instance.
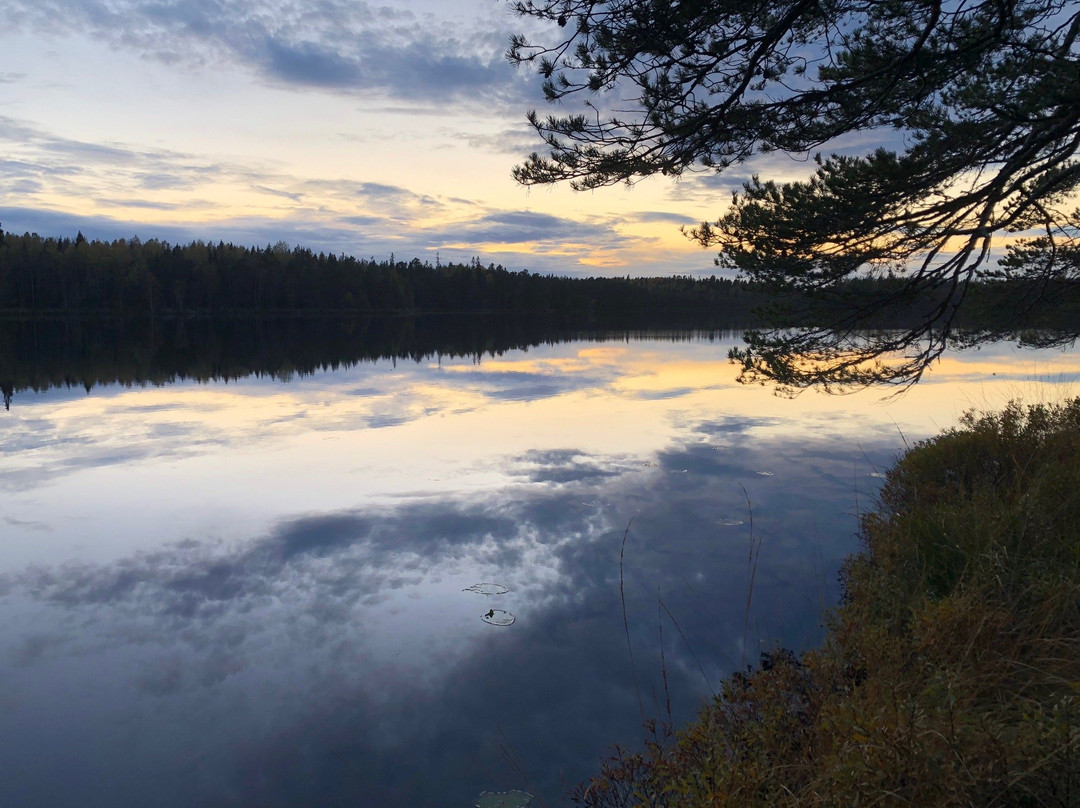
(950, 675)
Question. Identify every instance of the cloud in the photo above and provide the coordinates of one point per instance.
(542, 229)
(88, 152)
(306, 64)
(25, 187)
(521, 385)
(662, 395)
(27, 525)
(564, 466)
(404, 223)
(519, 141)
(190, 578)
(98, 181)
(59, 223)
(52, 160)
(396, 195)
(144, 204)
(336, 45)
(294, 197)
(387, 204)
(251, 203)
(662, 217)
(318, 536)
(15, 130)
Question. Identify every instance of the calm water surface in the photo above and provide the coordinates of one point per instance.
(257, 593)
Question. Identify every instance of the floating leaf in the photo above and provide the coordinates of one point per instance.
(487, 589)
(498, 617)
(504, 799)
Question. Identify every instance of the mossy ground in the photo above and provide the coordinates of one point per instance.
(951, 671)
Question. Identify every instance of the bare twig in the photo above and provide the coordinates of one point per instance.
(751, 572)
(626, 621)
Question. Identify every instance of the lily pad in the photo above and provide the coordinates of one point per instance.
(487, 589)
(504, 799)
(498, 617)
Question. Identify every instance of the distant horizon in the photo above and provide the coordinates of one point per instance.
(357, 128)
(69, 226)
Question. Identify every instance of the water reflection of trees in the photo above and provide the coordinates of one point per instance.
(839, 341)
(43, 354)
(866, 330)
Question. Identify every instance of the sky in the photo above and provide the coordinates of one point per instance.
(369, 129)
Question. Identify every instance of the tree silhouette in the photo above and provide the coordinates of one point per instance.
(982, 95)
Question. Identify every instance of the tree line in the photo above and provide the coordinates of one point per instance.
(50, 275)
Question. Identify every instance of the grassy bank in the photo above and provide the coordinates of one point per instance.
(951, 672)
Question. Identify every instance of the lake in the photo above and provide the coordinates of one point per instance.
(402, 582)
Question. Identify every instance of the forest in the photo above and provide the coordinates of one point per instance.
(63, 277)
(81, 277)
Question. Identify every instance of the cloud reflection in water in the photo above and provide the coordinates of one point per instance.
(313, 645)
(335, 658)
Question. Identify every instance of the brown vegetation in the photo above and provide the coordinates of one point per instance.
(951, 672)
